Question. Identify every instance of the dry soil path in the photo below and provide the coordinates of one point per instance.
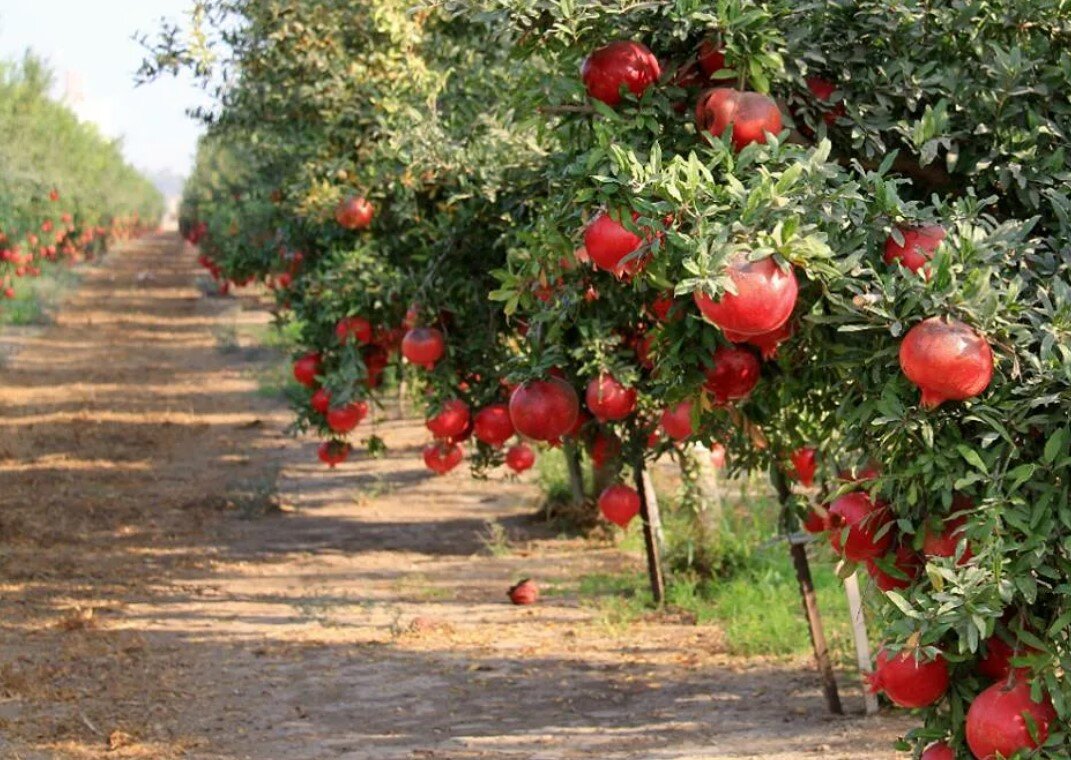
(140, 616)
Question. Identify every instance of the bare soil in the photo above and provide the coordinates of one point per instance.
(142, 615)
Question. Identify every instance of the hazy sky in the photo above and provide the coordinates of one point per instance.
(90, 46)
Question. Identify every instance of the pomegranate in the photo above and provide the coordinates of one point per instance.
(908, 681)
(938, 751)
(376, 359)
(996, 663)
(354, 213)
(451, 422)
(441, 457)
(734, 375)
(906, 563)
(347, 418)
(855, 514)
(750, 114)
(492, 425)
(767, 343)
(334, 453)
(353, 328)
(947, 360)
(605, 448)
(711, 57)
(609, 400)
(423, 346)
(823, 89)
(918, 247)
(544, 410)
(619, 504)
(620, 64)
(662, 306)
(943, 543)
(816, 521)
(520, 458)
(717, 456)
(677, 421)
(321, 401)
(608, 243)
(765, 295)
(307, 369)
(863, 474)
(525, 592)
(803, 465)
(996, 720)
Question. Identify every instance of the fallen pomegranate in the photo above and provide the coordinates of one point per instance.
(804, 465)
(938, 751)
(677, 421)
(997, 721)
(354, 213)
(492, 425)
(520, 458)
(620, 64)
(947, 360)
(334, 453)
(544, 410)
(307, 369)
(609, 400)
(765, 295)
(441, 457)
(525, 592)
(734, 375)
(865, 524)
(423, 346)
(750, 114)
(346, 418)
(452, 421)
(619, 504)
(609, 243)
(356, 329)
(908, 681)
(897, 570)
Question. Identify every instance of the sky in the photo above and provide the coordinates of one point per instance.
(92, 51)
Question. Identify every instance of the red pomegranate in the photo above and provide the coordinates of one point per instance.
(452, 420)
(804, 465)
(307, 369)
(764, 299)
(610, 400)
(997, 662)
(544, 410)
(376, 359)
(908, 681)
(864, 521)
(620, 64)
(677, 421)
(642, 347)
(423, 346)
(354, 213)
(619, 504)
(918, 247)
(938, 751)
(346, 418)
(441, 457)
(816, 520)
(944, 541)
(608, 242)
(605, 448)
(520, 458)
(334, 453)
(861, 474)
(734, 375)
(492, 425)
(321, 401)
(525, 592)
(947, 360)
(662, 305)
(823, 89)
(996, 720)
(353, 328)
(751, 115)
(904, 564)
(767, 343)
(711, 57)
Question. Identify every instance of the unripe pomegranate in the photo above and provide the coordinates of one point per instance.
(605, 448)
(918, 247)
(947, 360)
(996, 724)
(608, 242)
(864, 521)
(906, 562)
(334, 453)
(907, 681)
(354, 328)
(347, 418)
(711, 57)
(677, 421)
(520, 458)
(441, 457)
(938, 751)
(619, 504)
(610, 400)
(945, 541)
(451, 422)
(307, 369)
(525, 592)
(354, 213)
(423, 346)
(804, 465)
(544, 410)
(321, 401)
(767, 343)
(620, 64)
(764, 299)
(751, 115)
(492, 425)
(734, 375)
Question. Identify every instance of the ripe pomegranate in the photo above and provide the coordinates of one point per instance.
(353, 328)
(642, 347)
(520, 458)
(711, 57)
(996, 722)
(750, 114)
(321, 401)
(441, 457)
(620, 64)
(823, 89)
(947, 360)
(423, 346)
(307, 369)
(943, 543)
(347, 418)
(734, 375)
(918, 247)
(996, 663)
(451, 422)
(938, 751)
(767, 343)
(608, 242)
(334, 453)
(492, 425)
(525, 592)
(764, 299)
(376, 359)
(908, 681)
(610, 400)
(662, 305)
(619, 504)
(605, 448)
(677, 421)
(544, 410)
(354, 213)
(906, 562)
(816, 521)
(863, 520)
(803, 465)
(863, 474)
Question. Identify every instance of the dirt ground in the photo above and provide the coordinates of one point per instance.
(142, 616)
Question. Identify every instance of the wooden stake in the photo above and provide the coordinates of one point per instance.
(652, 530)
(862, 642)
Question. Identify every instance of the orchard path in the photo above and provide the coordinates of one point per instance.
(141, 616)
